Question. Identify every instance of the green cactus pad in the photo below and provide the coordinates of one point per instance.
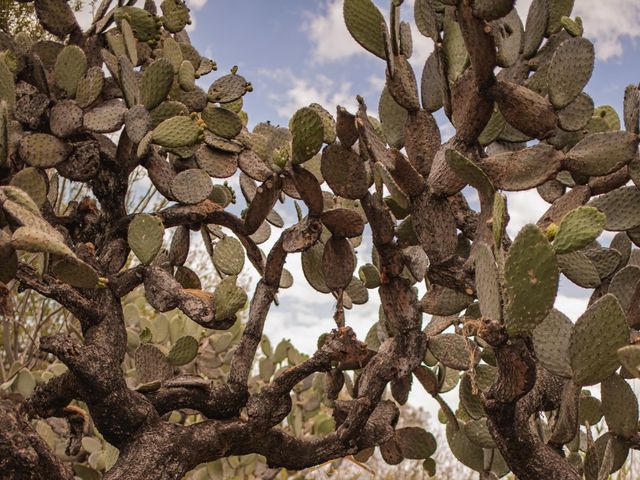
(508, 33)
(183, 351)
(144, 25)
(34, 182)
(307, 130)
(7, 85)
(454, 351)
(129, 81)
(609, 115)
(621, 208)
(605, 260)
(444, 301)
(620, 406)
(327, 121)
(470, 399)
(596, 337)
(469, 172)
(493, 129)
(602, 153)
(431, 83)
(228, 298)
(90, 87)
(578, 229)
(129, 41)
(191, 186)
(156, 83)
(551, 343)
(32, 239)
(42, 150)
(344, 171)
(557, 10)
(177, 132)
(464, 449)
(186, 76)
(338, 262)
(216, 163)
(629, 357)
(221, 121)
(145, 237)
(228, 88)
(365, 23)
(577, 114)
(175, 15)
(312, 267)
(478, 432)
(578, 268)
(228, 256)
(369, 275)
(487, 283)
(75, 272)
(393, 118)
(491, 9)
(535, 27)
(425, 17)
(70, 67)
(151, 364)
(531, 278)
(166, 110)
(499, 218)
(524, 169)
(415, 442)
(107, 117)
(454, 48)
(570, 70)
(623, 285)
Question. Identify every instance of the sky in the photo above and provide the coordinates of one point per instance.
(297, 52)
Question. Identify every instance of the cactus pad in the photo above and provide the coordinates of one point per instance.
(107, 117)
(156, 82)
(70, 67)
(228, 298)
(183, 351)
(578, 229)
(307, 130)
(454, 351)
(191, 186)
(145, 237)
(596, 337)
(621, 208)
(228, 256)
(344, 171)
(620, 406)
(487, 283)
(365, 22)
(151, 364)
(221, 121)
(531, 277)
(177, 132)
(570, 70)
(42, 150)
(602, 153)
(551, 343)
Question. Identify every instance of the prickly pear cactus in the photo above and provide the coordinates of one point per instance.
(109, 138)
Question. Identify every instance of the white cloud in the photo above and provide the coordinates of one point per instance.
(299, 92)
(329, 36)
(196, 4)
(605, 23)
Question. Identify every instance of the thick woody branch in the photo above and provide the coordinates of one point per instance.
(521, 390)
(24, 455)
(67, 296)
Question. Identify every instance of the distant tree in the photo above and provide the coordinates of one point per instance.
(157, 376)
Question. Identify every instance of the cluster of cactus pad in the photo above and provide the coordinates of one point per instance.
(126, 95)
